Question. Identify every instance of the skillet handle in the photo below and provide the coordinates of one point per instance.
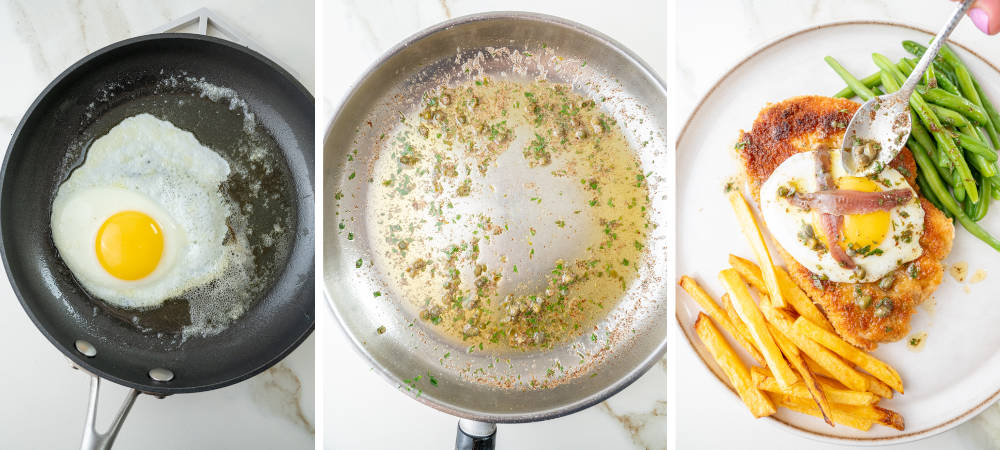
(93, 440)
(473, 435)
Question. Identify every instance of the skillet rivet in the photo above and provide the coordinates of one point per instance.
(85, 348)
(161, 374)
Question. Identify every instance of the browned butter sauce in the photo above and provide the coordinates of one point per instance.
(511, 215)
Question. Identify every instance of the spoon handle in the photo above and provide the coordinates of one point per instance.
(933, 49)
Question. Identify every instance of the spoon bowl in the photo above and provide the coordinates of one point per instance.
(877, 133)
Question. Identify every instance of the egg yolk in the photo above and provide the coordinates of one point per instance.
(861, 230)
(129, 245)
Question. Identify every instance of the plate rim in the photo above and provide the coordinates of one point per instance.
(775, 421)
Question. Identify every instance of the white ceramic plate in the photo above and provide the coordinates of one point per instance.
(956, 374)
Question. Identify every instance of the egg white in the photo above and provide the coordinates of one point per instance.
(785, 220)
(148, 165)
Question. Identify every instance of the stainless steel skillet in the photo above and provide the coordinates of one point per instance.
(484, 387)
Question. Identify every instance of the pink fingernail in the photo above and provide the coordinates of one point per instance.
(981, 20)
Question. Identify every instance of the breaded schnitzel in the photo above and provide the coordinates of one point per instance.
(808, 123)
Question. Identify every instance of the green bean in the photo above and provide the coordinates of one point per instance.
(973, 145)
(969, 208)
(983, 164)
(984, 203)
(917, 49)
(927, 192)
(918, 103)
(956, 103)
(957, 188)
(990, 110)
(943, 80)
(937, 187)
(948, 85)
(968, 88)
(949, 116)
(918, 132)
(943, 163)
(859, 88)
(870, 81)
(929, 78)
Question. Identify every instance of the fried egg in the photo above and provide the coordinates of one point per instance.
(878, 242)
(143, 219)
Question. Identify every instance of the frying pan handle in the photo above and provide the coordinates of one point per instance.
(473, 435)
(92, 440)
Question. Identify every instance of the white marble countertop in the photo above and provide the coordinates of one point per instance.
(353, 35)
(43, 400)
(711, 37)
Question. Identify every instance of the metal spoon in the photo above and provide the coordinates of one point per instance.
(881, 126)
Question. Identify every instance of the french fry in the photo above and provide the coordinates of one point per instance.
(751, 230)
(741, 328)
(719, 316)
(835, 366)
(875, 386)
(808, 380)
(850, 415)
(791, 292)
(867, 362)
(878, 415)
(758, 374)
(750, 272)
(837, 395)
(845, 413)
(748, 311)
(739, 376)
(806, 406)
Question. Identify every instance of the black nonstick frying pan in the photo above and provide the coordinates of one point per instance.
(166, 75)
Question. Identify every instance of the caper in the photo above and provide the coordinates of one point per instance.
(402, 245)
(595, 123)
(445, 99)
(469, 330)
(580, 134)
(863, 300)
(426, 114)
(461, 119)
(885, 283)
(423, 131)
(473, 102)
(884, 307)
(438, 116)
(783, 191)
(860, 272)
